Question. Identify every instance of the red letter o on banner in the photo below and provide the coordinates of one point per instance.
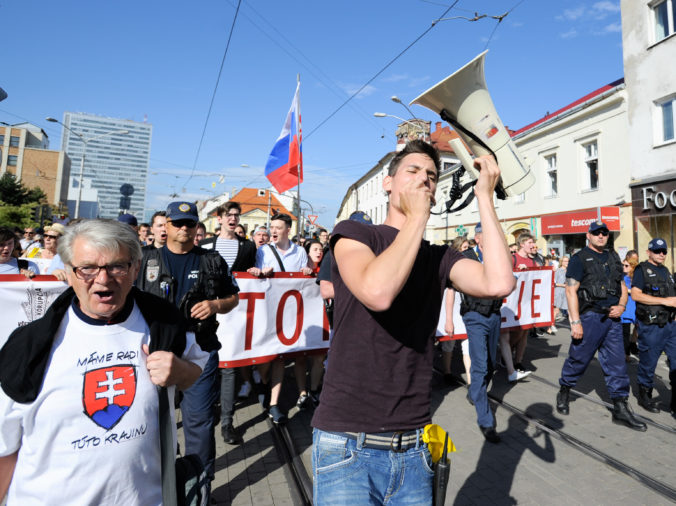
(280, 317)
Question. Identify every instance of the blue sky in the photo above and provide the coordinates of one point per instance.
(132, 59)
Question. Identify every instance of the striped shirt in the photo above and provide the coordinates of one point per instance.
(228, 249)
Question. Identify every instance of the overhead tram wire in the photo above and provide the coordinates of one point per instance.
(320, 75)
(378, 73)
(213, 95)
(499, 19)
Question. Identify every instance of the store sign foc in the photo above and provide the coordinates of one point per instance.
(658, 199)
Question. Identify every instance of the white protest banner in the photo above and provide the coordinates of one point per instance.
(23, 300)
(280, 316)
(531, 304)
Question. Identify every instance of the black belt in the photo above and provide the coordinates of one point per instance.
(398, 441)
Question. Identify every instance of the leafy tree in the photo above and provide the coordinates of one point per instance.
(17, 201)
(14, 193)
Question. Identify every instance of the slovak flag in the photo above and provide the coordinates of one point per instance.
(286, 159)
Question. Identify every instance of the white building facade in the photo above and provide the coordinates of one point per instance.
(649, 46)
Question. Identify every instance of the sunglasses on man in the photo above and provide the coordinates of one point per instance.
(601, 231)
(183, 223)
(659, 251)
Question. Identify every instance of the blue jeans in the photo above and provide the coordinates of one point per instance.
(652, 340)
(199, 417)
(602, 334)
(347, 473)
(483, 334)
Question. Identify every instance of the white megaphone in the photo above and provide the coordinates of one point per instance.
(463, 101)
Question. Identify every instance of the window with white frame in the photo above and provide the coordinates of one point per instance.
(665, 17)
(591, 165)
(551, 181)
(665, 120)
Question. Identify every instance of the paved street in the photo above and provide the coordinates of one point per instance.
(529, 466)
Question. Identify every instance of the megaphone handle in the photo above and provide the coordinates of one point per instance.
(464, 157)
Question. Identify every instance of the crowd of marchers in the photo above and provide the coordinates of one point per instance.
(144, 298)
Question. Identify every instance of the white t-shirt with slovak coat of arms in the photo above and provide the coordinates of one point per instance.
(92, 435)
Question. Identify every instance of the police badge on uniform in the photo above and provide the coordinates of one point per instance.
(152, 270)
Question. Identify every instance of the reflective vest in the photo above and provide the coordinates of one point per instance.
(599, 280)
(657, 286)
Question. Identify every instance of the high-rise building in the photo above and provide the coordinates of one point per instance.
(111, 159)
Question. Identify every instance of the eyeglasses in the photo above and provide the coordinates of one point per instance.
(49, 236)
(182, 223)
(28, 232)
(232, 215)
(625, 265)
(659, 251)
(89, 272)
(601, 231)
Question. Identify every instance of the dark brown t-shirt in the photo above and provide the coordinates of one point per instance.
(380, 363)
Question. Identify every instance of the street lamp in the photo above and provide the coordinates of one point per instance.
(85, 141)
(397, 100)
(383, 115)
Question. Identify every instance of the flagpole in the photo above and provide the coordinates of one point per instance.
(298, 224)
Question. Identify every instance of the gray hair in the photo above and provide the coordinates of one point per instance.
(102, 235)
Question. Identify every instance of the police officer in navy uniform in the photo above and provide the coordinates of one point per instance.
(482, 322)
(653, 290)
(597, 297)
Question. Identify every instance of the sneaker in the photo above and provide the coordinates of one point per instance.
(276, 414)
(519, 367)
(518, 376)
(553, 329)
(245, 390)
(256, 376)
(303, 401)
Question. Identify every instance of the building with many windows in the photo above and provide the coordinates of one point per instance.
(110, 160)
(24, 152)
(649, 47)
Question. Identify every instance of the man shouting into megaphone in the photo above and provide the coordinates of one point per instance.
(389, 283)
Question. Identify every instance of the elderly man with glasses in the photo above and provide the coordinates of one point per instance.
(653, 290)
(28, 238)
(597, 297)
(198, 283)
(79, 407)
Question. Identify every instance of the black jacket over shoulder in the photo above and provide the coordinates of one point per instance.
(213, 282)
(23, 358)
(246, 253)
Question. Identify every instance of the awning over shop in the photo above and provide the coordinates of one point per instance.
(577, 222)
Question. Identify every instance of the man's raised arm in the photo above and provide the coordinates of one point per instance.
(377, 280)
